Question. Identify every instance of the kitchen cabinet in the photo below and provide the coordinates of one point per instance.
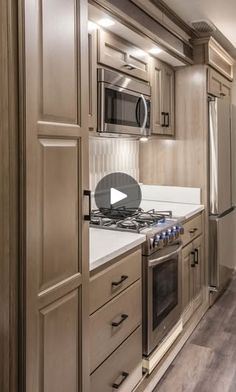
(218, 85)
(162, 79)
(55, 235)
(115, 324)
(117, 53)
(92, 80)
(192, 276)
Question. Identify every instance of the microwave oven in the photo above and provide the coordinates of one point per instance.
(123, 104)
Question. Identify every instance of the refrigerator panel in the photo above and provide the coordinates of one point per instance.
(220, 155)
(222, 252)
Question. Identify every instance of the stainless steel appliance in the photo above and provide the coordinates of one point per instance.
(222, 218)
(123, 104)
(161, 266)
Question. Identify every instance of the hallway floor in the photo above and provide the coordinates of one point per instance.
(207, 362)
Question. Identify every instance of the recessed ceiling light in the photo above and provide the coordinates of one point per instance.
(106, 22)
(155, 50)
(92, 26)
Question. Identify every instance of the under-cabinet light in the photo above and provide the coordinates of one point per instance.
(155, 50)
(106, 22)
(92, 26)
(143, 139)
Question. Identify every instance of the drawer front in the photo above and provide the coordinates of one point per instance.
(106, 285)
(113, 323)
(192, 229)
(123, 366)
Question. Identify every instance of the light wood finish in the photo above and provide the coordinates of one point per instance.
(117, 53)
(9, 210)
(163, 96)
(126, 271)
(192, 277)
(105, 338)
(55, 169)
(218, 85)
(209, 51)
(92, 67)
(182, 161)
(142, 23)
(127, 358)
(192, 229)
(209, 354)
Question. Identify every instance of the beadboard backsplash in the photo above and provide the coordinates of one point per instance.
(108, 155)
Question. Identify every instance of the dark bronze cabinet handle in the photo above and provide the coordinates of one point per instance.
(124, 376)
(168, 120)
(193, 259)
(192, 231)
(88, 217)
(122, 279)
(123, 318)
(196, 256)
(164, 114)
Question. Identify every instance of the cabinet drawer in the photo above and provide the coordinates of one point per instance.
(109, 283)
(113, 323)
(192, 229)
(124, 364)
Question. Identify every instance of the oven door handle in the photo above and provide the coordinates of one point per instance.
(161, 259)
(145, 114)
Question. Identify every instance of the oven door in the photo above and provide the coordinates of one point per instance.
(123, 111)
(163, 294)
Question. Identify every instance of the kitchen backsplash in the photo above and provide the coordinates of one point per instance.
(107, 155)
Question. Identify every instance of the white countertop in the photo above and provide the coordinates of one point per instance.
(105, 245)
(178, 209)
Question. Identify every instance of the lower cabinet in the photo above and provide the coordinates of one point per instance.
(123, 369)
(115, 325)
(192, 277)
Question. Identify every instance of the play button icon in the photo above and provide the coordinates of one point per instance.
(116, 196)
(117, 191)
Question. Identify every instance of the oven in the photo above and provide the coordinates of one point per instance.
(123, 104)
(161, 294)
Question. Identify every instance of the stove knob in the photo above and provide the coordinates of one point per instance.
(157, 241)
(170, 234)
(180, 229)
(165, 238)
(151, 241)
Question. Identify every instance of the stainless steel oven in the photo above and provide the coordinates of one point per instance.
(161, 294)
(123, 104)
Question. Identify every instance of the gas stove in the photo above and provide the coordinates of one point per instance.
(160, 228)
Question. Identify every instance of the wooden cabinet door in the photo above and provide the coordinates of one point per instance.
(92, 86)
(169, 100)
(55, 173)
(117, 53)
(157, 111)
(218, 85)
(198, 271)
(162, 101)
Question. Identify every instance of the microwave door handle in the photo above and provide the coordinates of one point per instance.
(145, 114)
(161, 259)
(136, 111)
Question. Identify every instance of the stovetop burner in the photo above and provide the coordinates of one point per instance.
(128, 219)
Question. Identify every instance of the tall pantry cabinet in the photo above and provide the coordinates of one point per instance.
(54, 271)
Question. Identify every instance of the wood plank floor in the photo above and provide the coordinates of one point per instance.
(207, 362)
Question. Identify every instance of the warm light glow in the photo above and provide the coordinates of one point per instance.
(143, 139)
(106, 22)
(155, 50)
(92, 26)
(138, 53)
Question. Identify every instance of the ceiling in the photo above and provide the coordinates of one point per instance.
(221, 12)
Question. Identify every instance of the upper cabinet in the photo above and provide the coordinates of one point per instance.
(218, 85)
(209, 51)
(162, 80)
(117, 53)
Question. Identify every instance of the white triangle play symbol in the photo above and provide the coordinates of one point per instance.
(116, 196)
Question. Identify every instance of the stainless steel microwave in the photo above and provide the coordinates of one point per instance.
(123, 104)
